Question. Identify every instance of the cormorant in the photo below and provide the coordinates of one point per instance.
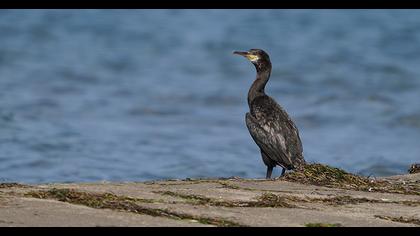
(268, 123)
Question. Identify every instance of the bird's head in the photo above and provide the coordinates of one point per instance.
(258, 57)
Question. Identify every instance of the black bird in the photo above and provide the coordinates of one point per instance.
(268, 123)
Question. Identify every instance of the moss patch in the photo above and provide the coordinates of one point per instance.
(324, 175)
(322, 225)
(111, 201)
(400, 219)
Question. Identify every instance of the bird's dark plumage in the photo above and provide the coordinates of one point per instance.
(268, 123)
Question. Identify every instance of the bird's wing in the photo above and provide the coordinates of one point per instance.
(292, 137)
(272, 112)
(268, 136)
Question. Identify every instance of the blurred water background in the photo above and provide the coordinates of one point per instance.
(134, 95)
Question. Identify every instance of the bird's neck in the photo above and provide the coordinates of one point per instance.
(258, 86)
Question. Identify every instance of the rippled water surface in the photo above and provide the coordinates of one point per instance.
(132, 95)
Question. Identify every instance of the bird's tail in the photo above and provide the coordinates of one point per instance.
(299, 163)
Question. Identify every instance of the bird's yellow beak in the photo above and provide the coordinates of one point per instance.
(248, 55)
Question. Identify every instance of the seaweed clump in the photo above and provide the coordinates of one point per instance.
(327, 176)
(414, 168)
(324, 175)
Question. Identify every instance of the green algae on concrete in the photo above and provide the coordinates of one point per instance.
(111, 201)
(265, 200)
(208, 204)
(10, 185)
(400, 219)
(286, 201)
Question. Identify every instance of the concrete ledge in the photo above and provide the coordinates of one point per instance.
(206, 202)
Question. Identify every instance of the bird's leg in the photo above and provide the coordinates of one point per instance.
(269, 170)
(282, 172)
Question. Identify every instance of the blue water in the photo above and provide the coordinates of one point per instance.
(134, 95)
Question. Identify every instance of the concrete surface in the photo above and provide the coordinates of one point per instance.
(197, 202)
